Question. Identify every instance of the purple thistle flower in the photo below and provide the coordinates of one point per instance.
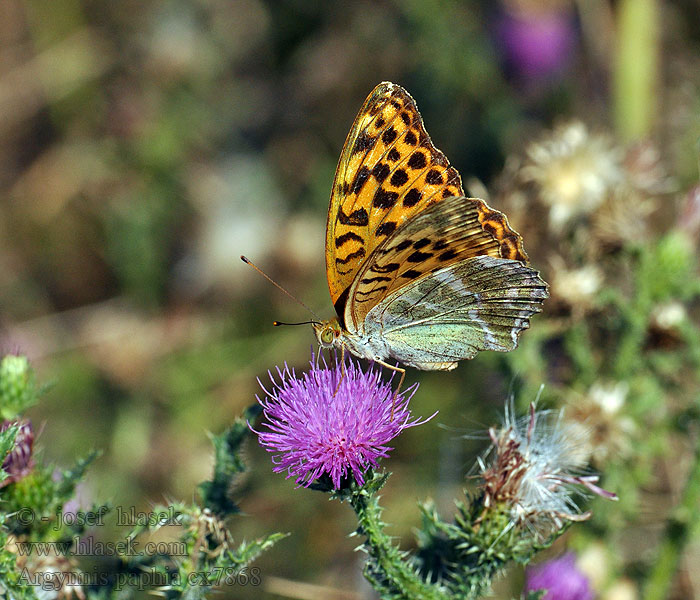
(18, 461)
(316, 431)
(561, 578)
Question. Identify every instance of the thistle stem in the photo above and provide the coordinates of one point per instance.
(387, 568)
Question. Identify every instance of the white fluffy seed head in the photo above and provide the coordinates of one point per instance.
(536, 466)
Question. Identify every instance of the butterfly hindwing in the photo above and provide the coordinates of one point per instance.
(482, 303)
(441, 235)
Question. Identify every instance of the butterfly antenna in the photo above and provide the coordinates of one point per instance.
(279, 287)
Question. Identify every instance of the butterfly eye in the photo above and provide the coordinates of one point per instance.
(327, 336)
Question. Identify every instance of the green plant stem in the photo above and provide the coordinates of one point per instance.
(387, 566)
(679, 529)
(635, 75)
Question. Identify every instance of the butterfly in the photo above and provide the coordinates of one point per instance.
(417, 272)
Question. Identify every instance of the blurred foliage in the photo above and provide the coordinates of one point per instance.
(146, 145)
(43, 527)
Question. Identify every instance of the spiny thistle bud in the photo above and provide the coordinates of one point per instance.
(18, 462)
(17, 389)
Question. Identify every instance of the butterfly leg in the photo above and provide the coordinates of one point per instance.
(398, 389)
(342, 362)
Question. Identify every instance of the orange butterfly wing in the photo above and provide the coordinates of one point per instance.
(388, 172)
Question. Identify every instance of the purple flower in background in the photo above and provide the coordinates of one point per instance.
(561, 578)
(536, 43)
(18, 462)
(317, 426)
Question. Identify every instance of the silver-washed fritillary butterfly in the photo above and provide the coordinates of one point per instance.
(417, 272)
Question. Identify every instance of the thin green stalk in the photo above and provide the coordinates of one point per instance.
(387, 565)
(679, 529)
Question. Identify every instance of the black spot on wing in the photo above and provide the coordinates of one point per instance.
(359, 217)
(447, 255)
(346, 237)
(359, 253)
(412, 198)
(381, 172)
(363, 143)
(417, 160)
(390, 268)
(389, 135)
(386, 228)
(419, 257)
(360, 179)
(398, 178)
(433, 177)
(384, 199)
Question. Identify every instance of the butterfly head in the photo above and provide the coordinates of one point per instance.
(328, 332)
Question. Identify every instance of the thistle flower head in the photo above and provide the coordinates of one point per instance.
(598, 413)
(562, 579)
(534, 467)
(573, 170)
(332, 421)
(18, 462)
(576, 288)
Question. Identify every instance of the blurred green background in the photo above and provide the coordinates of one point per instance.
(145, 145)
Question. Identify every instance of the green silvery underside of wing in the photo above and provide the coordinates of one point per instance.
(482, 303)
(444, 234)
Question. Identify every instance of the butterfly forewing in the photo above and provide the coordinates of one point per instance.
(482, 303)
(390, 171)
